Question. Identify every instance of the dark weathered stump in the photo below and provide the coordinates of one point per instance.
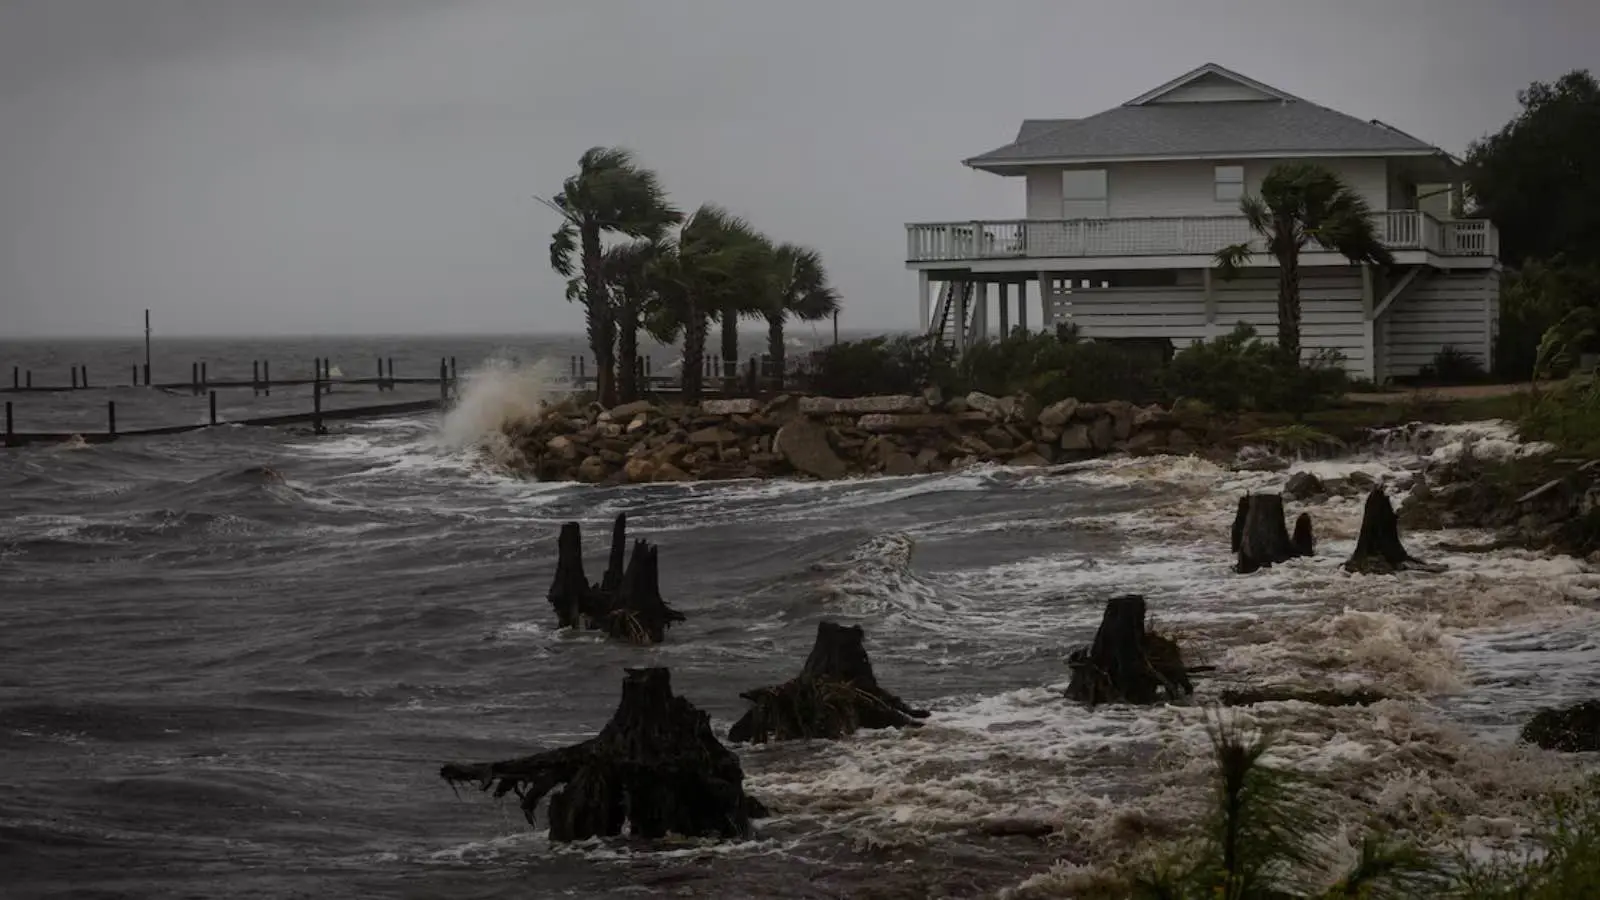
(626, 604)
(1303, 541)
(656, 767)
(1574, 729)
(1126, 663)
(835, 693)
(1260, 534)
(1378, 548)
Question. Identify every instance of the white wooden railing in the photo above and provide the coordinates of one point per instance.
(1166, 236)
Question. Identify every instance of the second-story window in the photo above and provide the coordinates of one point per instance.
(1229, 183)
(1083, 194)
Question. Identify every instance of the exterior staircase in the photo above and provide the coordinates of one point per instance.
(953, 315)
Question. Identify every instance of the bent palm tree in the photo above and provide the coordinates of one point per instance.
(800, 289)
(1301, 203)
(610, 193)
(628, 276)
(716, 260)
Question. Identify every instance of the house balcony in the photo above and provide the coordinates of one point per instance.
(1406, 232)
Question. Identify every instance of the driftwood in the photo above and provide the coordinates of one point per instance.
(1126, 663)
(656, 767)
(1378, 548)
(627, 602)
(1261, 536)
(834, 694)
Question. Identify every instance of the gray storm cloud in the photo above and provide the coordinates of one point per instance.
(322, 166)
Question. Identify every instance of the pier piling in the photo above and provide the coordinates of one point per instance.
(111, 417)
(213, 407)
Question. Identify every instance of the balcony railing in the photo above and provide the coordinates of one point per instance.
(1170, 236)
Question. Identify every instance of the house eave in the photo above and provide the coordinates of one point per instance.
(1018, 166)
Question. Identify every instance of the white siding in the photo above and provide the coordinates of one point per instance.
(1458, 309)
(1330, 310)
(1188, 187)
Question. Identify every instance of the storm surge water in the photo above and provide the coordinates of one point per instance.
(231, 663)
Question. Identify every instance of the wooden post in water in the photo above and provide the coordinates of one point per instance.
(74, 377)
(30, 379)
(444, 382)
(380, 374)
(16, 377)
(316, 403)
(135, 381)
(111, 417)
(205, 378)
(86, 375)
(266, 377)
(213, 407)
(391, 373)
(452, 370)
(194, 378)
(11, 427)
(147, 347)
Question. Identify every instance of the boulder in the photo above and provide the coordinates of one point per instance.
(893, 403)
(712, 436)
(628, 410)
(592, 470)
(1102, 434)
(1303, 486)
(1076, 438)
(804, 445)
(1058, 414)
(1144, 441)
(1122, 415)
(927, 458)
(898, 464)
(932, 397)
(639, 470)
(1574, 729)
(999, 438)
(670, 472)
(734, 406)
(1030, 460)
(882, 423)
(564, 447)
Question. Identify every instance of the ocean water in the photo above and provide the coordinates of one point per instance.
(232, 661)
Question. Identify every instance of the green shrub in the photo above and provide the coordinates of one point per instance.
(880, 365)
(1534, 300)
(1567, 416)
(1239, 371)
(1055, 367)
(1451, 366)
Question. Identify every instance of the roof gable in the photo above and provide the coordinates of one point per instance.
(1208, 113)
(1210, 83)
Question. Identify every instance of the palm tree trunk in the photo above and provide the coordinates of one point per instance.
(730, 349)
(694, 354)
(628, 349)
(775, 350)
(1289, 305)
(602, 325)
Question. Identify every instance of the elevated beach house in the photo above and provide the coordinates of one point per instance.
(1125, 208)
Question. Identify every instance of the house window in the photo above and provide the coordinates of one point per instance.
(1229, 183)
(1083, 194)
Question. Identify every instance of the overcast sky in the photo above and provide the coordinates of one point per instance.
(368, 166)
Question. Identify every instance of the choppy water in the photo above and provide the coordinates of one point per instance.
(232, 661)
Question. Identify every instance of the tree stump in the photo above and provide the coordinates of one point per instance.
(656, 767)
(1378, 548)
(1303, 541)
(835, 693)
(1260, 534)
(626, 604)
(1126, 663)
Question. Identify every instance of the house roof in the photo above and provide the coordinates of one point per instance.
(1151, 127)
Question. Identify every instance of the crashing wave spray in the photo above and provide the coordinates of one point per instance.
(494, 399)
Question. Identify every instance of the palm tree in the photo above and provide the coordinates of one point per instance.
(716, 260)
(628, 276)
(1301, 203)
(800, 288)
(610, 193)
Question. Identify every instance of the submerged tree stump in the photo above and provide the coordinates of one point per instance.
(1261, 536)
(1378, 548)
(656, 767)
(835, 693)
(1126, 663)
(626, 604)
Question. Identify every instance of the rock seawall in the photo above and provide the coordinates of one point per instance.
(828, 438)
